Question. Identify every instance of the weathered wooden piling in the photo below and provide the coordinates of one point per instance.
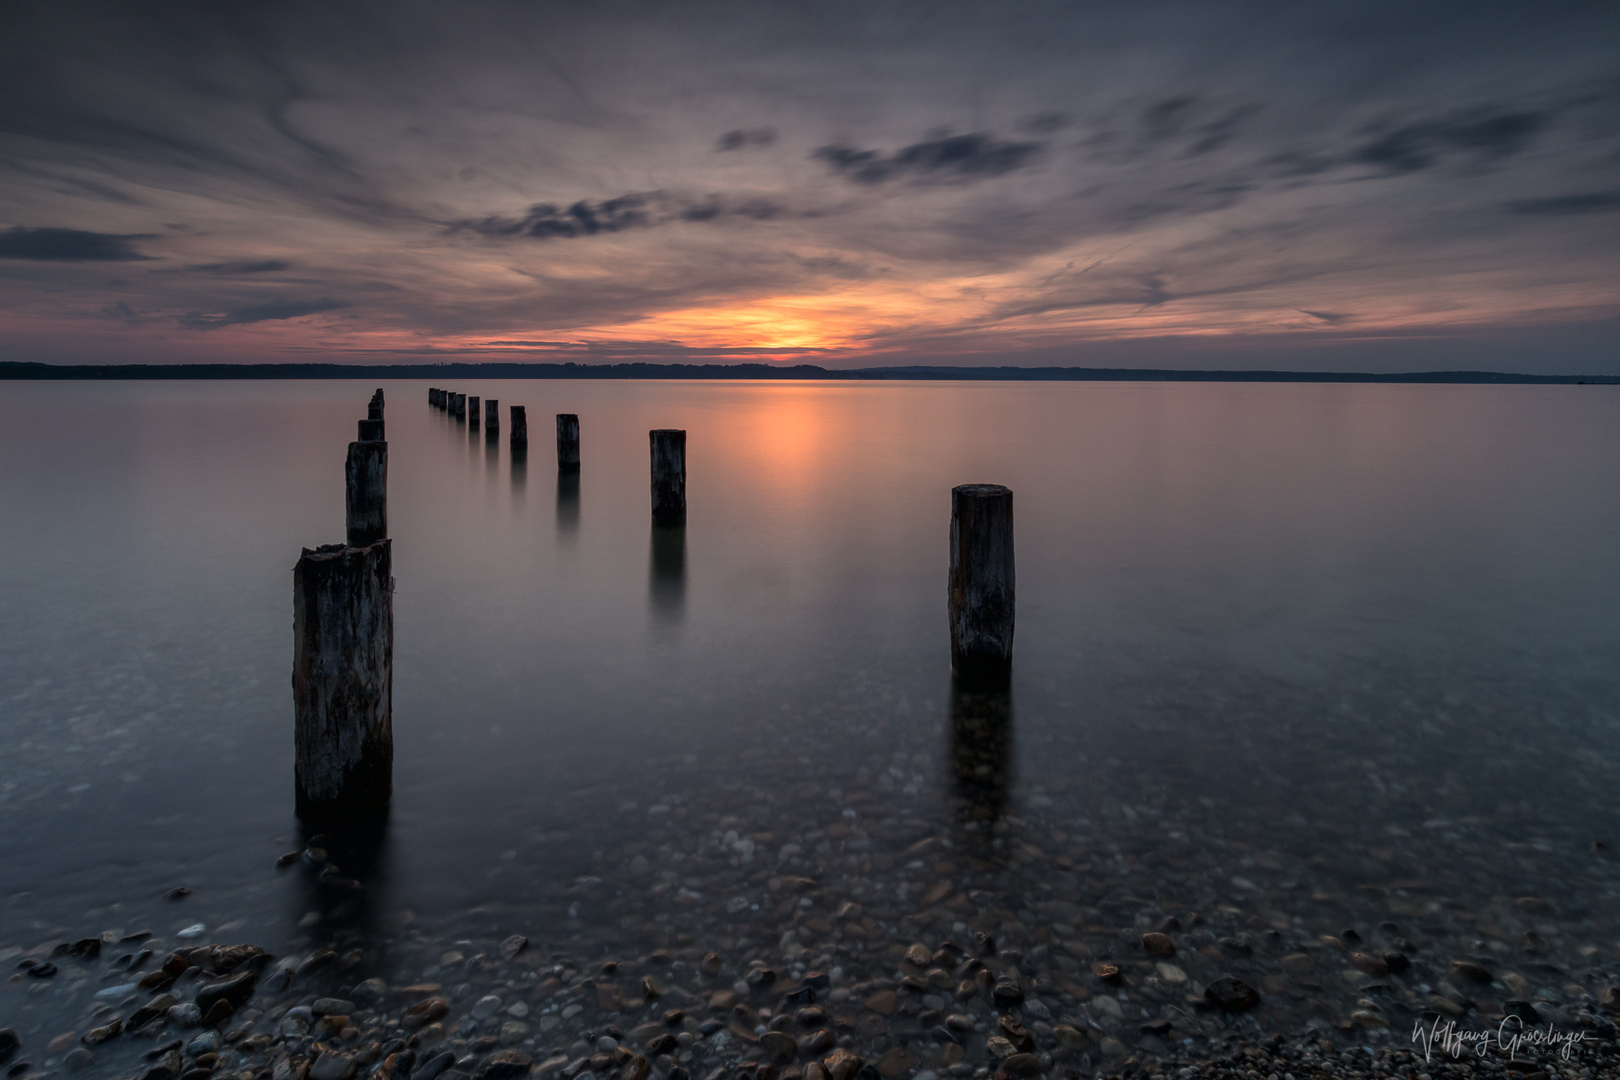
(981, 585)
(567, 442)
(492, 415)
(520, 427)
(371, 431)
(459, 406)
(343, 680)
(433, 395)
(366, 489)
(472, 412)
(668, 475)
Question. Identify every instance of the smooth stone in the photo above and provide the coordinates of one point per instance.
(186, 1015)
(842, 1065)
(1231, 995)
(1470, 971)
(97, 1036)
(1298, 964)
(1372, 965)
(116, 993)
(330, 1066)
(506, 1065)
(424, 1012)
(486, 1007)
(883, 1002)
(433, 1066)
(370, 992)
(208, 1042)
(779, 1046)
(1022, 1065)
(1158, 944)
(235, 990)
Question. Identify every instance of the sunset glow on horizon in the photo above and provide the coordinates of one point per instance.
(1131, 185)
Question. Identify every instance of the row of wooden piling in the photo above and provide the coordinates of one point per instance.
(667, 447)
(343, 647)
(343, 606)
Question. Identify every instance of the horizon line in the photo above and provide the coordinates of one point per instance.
(26, 371)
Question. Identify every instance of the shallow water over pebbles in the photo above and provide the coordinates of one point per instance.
(1305, 676)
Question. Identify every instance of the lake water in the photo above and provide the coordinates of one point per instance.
(1291, 660)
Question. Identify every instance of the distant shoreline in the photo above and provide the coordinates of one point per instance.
(24, 372)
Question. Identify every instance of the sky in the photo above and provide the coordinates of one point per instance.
(1351, 186)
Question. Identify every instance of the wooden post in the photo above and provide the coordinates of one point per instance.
(343, 680)
(461, 406)
(492, 415)
(567, 442)
(371, 431)
(520, 428)
(366, 490)
(981, 585)
(433, 395)
(472, 412)
(668, 476)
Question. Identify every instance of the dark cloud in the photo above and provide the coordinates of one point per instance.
(950, 157)
(269, 311)
(123, 313)
(1331, 318)
(636, 210)
(1044, 123)
(1591, 202)
(69, 245)
(1487, 135)
(261, 266)
(746, 139)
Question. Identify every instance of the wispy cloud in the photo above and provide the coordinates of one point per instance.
(637, 210)
(949, 158)
(247, 266)
(745, 139)
(1590, 202)
(270, 311)
(70, 245)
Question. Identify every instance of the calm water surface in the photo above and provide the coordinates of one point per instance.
(1290, 661)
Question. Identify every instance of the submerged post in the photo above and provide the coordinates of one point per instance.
(567, 442)
(668, 476)
(981, 586)
(520, 428)
(492, 415)
(366, 487)
(343, 680)
(433, 395)
(472, 412)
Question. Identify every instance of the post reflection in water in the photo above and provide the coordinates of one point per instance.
(344, 875)
(567, 506)
(667, 579)
(520, 468)
(981, 750)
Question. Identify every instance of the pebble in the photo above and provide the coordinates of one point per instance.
(331, 1066)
